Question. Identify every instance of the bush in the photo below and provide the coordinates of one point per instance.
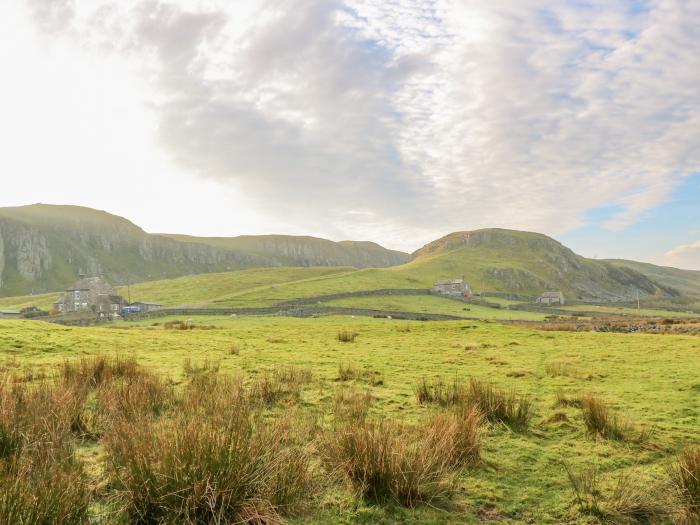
(385, 461)
(347, 336)
(685, 478)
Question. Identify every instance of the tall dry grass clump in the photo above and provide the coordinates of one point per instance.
(350, 372)
(387, 462)
(347, 336)
(460, 433)
(685, 478)
(40, 480)
(280, 384)
(629, 499)
(215, 461)
(91, 372)
(501, 406)
(497, 405)
(351, 405)
(601, 421)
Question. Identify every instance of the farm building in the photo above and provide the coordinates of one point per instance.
(550, 298)
(9, 314)
(452, 287)
(90, 294)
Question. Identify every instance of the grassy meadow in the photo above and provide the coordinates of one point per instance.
(597, 411)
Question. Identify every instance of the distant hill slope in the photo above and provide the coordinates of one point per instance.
(491, 260)
(46, 247)
(685, 281)
(528, 263)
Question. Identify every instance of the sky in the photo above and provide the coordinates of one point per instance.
(396, 121)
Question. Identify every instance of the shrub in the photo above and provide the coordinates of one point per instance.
(385, 461)
(347, 336)
(685, 478)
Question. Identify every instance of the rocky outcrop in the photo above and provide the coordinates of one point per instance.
(45, 248)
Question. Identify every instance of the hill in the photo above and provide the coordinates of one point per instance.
(685, 281)
(46, 247)
(491, 260)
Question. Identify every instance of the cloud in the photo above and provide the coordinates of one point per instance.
(686, 256)
(408, 118)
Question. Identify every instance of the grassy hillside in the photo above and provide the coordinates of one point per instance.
(652, 381)
(45, 248)
(686, 281)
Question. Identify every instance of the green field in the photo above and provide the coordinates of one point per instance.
(652, 380)
(622, 310)
(433, 304)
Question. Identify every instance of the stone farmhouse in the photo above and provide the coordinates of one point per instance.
(90, 294)
(452, 288)
(550, 298)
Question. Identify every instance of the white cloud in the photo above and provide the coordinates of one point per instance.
(401, 120)
(686, 256)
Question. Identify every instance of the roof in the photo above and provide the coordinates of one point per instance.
(555, 295)
(9, 312)
(449, 281)
(97, 284)
(145, 304)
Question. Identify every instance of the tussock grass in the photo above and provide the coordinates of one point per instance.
(40, 481)
(460, 433)
(562, 399)
(601, 421)
(284, 383)
(387, 462)
(215, 468)
(685, 478)
(351, 404)
(192, 368)
(497, 405)
(629, 499)
(561, 369)
(91, 372)
(133, 398)
(350, 372)
(347, 336)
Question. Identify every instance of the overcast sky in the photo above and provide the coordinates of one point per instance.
(396, 121)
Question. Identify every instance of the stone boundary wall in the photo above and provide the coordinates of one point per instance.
(298, 311)
(361, 293)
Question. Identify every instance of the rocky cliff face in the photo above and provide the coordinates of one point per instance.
(45, 248)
